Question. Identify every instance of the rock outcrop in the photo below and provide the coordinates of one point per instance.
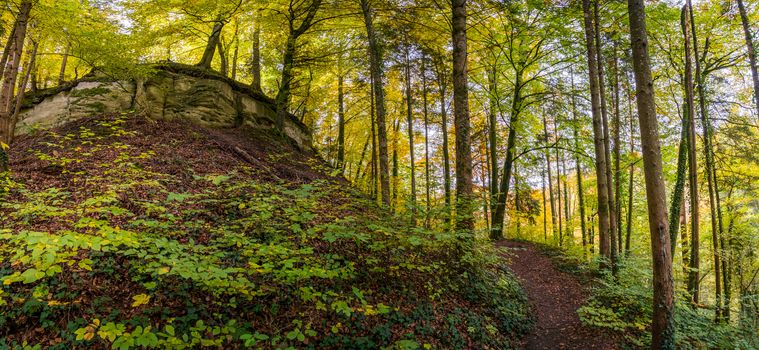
(173, 92)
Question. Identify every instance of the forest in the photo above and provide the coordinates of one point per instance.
(379, 174)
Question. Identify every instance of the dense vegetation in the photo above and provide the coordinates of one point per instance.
(624, 134)
(116, 237)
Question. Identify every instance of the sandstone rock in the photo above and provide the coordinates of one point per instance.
(205, 99)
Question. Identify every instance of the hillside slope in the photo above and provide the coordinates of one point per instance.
(123, 232)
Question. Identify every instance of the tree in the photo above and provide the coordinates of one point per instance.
(464, 186)
(300, 17)
(750, 51)
(10, 74)
(600, 153)
(662, 324)
(375, 69)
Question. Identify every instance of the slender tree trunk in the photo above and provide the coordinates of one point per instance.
(255, 60)
(547, 155)
(340, 122)
(606, 141)
(375, 168)
(396, 129)
(284, 94)
(8, 48)
(426, 146)
(558, 198)
(632, 169)
(64, 61)
(464, 186)
(751, 52)
(410, 130)
(678, 194)
(617, 140)
(600, 153)
(10, 75)
(662, 323)
(580, 191)
(693, 275)
(492, 138)
(213, 42)
(236, 51)
(545, 214)
(567, 226)
(709, 159)
(224, 62)
(375, 68)
(22, 89)
(444, 129)
(496, 233)
(361, 161)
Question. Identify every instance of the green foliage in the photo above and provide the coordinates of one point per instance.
(137, 258)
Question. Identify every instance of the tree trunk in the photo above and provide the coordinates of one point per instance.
(224, 62)
(499, 212)
(662, 323)
(396, 129)
(709, 159)
(678, 194)
(558, 191)
(492, 137)
(547, 155)
(545, 214)
(375, 68)
(751, 52)
(236, 51)
(426, 147)
(600, 153)
(213, 42)
(580, 191)
(10, 74)
(340, 122)
(632, 169)
(64, 61)
(284, 94)
(375, 179)
(255, 60)
(567, 228)
(441, 81)
(617, 140)
(464, 186)
(410, 130)
(606, 142)
(8, 48)
(22, 89)
(693, 275)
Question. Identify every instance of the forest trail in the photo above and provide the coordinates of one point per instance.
(554, 298)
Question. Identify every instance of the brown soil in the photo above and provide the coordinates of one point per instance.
(554, 298)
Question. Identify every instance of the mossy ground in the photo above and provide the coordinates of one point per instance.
(123, 232)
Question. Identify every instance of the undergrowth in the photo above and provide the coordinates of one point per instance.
(115, 234)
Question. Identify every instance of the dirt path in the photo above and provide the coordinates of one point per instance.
(554, 298)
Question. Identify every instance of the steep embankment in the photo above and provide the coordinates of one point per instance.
(125, 232)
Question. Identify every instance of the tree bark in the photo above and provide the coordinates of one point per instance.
(213, 42)
(340, 122)
(662, 323)
(499, 212)
(236, 51)
(375, 68)
(709, 160)
(22, 89)
(617, 140)
(426, 146)
(410, 133)
(464, 186)
(693, 275)
(10, 75)
(288, 59)
(255, 60)
(678, 194)
(606, 141)
(442, 91)
(492, 137)
(64, 61)
(751, 52)
(632, 168)
(580, 191)
(547, 155)
(600, 153)
(224, 62)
